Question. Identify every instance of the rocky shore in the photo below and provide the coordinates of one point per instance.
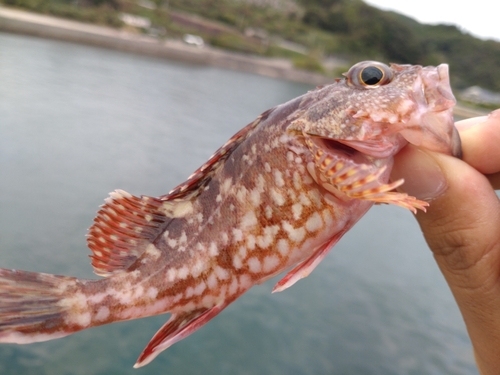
(21, 22)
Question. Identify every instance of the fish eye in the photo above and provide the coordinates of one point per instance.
(369, 74)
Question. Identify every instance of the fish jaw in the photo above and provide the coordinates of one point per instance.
(431, 126)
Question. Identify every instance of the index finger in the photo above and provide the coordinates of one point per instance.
(480, 142)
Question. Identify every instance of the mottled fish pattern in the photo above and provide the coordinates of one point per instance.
(278, 195)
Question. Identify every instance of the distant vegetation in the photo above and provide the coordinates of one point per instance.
(306, 31)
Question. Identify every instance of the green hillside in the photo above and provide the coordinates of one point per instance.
(306, 31)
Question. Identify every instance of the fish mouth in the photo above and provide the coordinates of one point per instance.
(343, 150)
(431, 125)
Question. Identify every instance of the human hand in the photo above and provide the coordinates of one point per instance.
(462, 226)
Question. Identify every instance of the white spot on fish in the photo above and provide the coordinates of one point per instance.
(251, 242)
(327, 217)
(314, 222)
(249, 220)
(183, 273)
(208, 301)
(278, 178)
(221, 273)
(245, 282)
(226, 185)
(234, 286)
(183, 238)
(225, 238)
(295, 234)
(237, 235)
(237, 262)
(152, 292)
(197, 268)
(200, 288)
(255, 197)
(241, 194)
(277, 197)
(171, 275)
(97, 298)
(267, 238)
(153, 252)
(102, 314)
(213, 250)
(242, 252)
(270, 263)
(212, 281)
(81, 319)
(297, 210)
(283, 247)
(304, 199)
(269, 212)
(177, 209)
(254, 265)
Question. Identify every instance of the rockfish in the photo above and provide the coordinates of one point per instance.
(278, 195)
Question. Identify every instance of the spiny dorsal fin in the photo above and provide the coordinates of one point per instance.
(193, 185)
(122, 229)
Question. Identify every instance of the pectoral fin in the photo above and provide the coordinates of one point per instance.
(345, 177)
(178, 327)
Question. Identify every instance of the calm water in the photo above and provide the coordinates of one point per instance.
(77, 122)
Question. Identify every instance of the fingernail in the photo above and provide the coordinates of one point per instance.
(423, 176)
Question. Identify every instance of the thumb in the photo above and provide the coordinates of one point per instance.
(461, 227)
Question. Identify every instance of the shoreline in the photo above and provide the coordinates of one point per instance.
(43, 26)
(38, 25)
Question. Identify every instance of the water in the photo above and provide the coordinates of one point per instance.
(77, 122)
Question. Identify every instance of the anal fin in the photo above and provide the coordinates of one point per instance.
(178, 327)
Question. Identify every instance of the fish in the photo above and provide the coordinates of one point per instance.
(277, 196)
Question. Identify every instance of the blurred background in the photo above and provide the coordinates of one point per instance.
(78, 121)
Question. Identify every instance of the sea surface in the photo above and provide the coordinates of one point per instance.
(77, 122)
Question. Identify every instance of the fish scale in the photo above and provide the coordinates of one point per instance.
(278, 195)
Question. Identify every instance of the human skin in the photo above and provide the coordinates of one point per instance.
(462, 226)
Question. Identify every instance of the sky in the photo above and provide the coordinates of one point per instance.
(477, 17)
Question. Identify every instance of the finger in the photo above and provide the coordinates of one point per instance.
(461, 227)
(480, 142)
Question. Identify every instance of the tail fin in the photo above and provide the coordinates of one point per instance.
(32, 308)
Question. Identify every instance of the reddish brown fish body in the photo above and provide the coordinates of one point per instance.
(279, 194)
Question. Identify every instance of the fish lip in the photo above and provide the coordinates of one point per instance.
(436, 88)
(432, 124)
(341, 149)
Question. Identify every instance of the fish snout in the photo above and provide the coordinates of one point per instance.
(432, 126)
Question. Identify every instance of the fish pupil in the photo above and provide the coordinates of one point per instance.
(371, 75)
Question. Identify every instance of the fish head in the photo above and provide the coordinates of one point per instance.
(377, 109)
